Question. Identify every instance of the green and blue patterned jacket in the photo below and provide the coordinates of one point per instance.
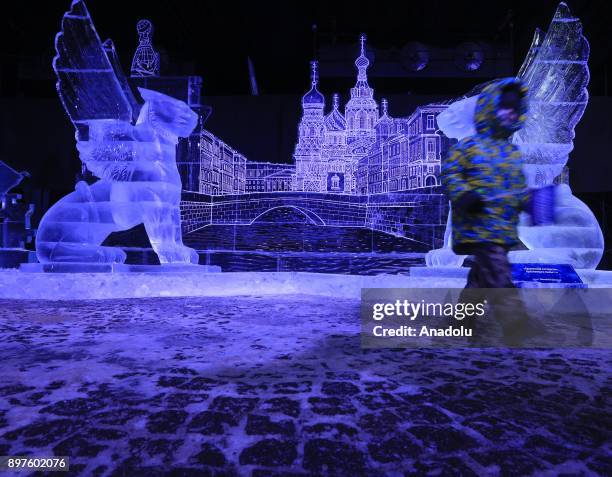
(490, 165)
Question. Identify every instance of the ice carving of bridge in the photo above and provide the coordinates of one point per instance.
(419, 216)
(312, 217)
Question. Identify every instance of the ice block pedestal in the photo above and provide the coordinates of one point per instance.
(65, 267)
(527, 275)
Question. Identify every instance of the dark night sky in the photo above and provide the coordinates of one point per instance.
(214, 38)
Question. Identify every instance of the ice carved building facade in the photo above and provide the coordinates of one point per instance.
(222, 168)
(362, 151)
(310, 168)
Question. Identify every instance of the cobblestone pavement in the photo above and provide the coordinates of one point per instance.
(279, 386)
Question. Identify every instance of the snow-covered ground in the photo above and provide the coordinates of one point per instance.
(270, 385)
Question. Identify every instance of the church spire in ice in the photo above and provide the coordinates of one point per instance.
(313, 99)
(310, 173)
(362, 88)
(313, 73)
(384, 125)
(361, 112)
(362, 63)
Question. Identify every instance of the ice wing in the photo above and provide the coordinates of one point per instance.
(90, 82)
(556, 73)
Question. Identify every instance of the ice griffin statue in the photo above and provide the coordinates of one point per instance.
(130, 148)
(556, 73)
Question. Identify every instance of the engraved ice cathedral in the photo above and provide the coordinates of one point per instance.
(360, 151)
(363, 151)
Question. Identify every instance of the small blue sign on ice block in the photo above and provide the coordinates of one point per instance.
(544, 275)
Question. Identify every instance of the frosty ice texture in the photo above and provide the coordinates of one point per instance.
(136, 164)
(556, 72)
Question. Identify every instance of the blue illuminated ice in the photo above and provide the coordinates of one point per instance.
(146, 59)
(556, 72)
(131, 149)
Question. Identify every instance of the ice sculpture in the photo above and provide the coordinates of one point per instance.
(555, 71)
(146, 59)
(135, 163)
(557, 75)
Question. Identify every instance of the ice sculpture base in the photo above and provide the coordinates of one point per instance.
(63, 267)
(592, 278)
(84, 286)
(579, 258)
(439, 271)
(443, 257)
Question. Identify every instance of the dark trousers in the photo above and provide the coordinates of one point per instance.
(491, 269)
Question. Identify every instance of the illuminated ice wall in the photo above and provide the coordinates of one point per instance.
(353, 166)
(356, 150)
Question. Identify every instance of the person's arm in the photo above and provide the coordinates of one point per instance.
(461, 195)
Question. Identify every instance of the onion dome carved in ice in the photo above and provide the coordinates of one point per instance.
(313, 99)
(335, 121)
(362, 88)
(362, 63)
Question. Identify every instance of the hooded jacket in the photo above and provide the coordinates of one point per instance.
(488, 164)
